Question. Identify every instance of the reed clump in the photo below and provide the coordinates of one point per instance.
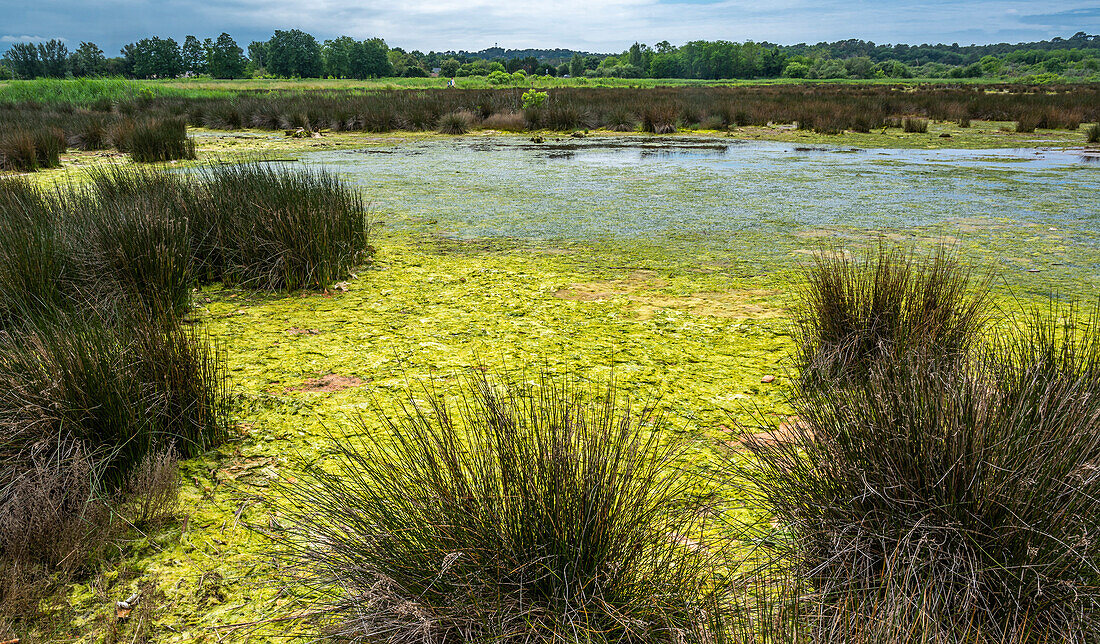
(528, 512)
(856, 313)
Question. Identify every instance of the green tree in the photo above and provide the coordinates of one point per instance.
(194, 56)
(635, 56)
(293, 53)
(155, 58)
(576, 65)
(226, 58)
(54, 56)
(257, 54)
(23, 60)
(88, 60)
(338, 55)
(373, 61)
(449, 67)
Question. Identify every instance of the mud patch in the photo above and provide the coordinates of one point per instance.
(328, 383)
(296, 331)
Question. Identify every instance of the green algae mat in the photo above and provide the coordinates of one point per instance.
(668, 265)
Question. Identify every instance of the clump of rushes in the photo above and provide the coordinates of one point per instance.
(1029, 121)
(855, 314)
(528, 513)
(29, 150)
(914, 124)
(1092, 133)
(160, 139)
(274, 228)
(935, 504)
(36, 270)
(116, 386)
(659, 119)
(455, 123)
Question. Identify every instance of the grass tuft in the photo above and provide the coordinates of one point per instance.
(528, 512)
(855, 314)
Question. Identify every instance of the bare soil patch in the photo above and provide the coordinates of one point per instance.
(328, 383)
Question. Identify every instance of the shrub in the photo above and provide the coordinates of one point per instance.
(925, 503)
(1092, 133)
(533, 98)
(855, 314)
(455, 123)
(51, 524)
(529, 513)
(914, 124)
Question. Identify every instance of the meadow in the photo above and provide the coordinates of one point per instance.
(773, 302)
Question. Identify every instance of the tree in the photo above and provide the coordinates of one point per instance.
(635, 56)
(88, 60)
(338, 55)
(576, 65)
(54, 56)
(293, 53)
(374, 60)
(23, 60)
(155, 58)
(194, 56)
(449, 67)
(226, 58)
(257, 54)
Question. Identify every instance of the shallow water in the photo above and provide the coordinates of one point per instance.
(1032, 209)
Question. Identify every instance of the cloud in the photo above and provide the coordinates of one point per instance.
(15, 39)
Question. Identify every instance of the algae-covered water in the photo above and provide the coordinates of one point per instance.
(735, 201)
(669, 263)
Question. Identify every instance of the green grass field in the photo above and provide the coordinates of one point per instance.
(87, 90)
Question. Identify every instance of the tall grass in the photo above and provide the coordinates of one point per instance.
(933, 501)
(156, 140)
(275, 228)
(528, 512)
(935, 486)
(914, 124)
(855, 313)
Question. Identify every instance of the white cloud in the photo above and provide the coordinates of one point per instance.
(15, 39)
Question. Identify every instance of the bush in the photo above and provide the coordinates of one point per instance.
(856, 314)
(51, 524)
(533, 98)
(1092, 133)
(530, 513)
(926, 503)
(913, 124)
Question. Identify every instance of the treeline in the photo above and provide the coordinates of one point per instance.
(294, 53)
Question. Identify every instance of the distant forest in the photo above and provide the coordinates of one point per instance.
(294, 53)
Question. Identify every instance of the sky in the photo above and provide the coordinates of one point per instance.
(605, 26)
